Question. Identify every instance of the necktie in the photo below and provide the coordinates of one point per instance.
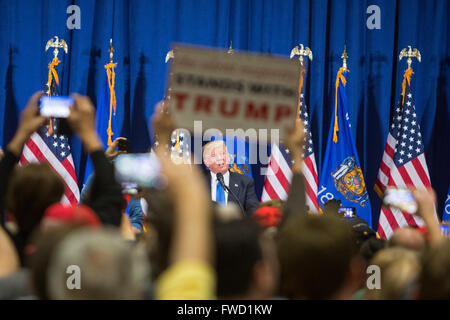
(220, 194)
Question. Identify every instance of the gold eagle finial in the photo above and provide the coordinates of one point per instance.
(410, 54)
(301, 53)
(57, 44)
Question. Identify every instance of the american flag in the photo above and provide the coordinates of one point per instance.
(279, 173)
(403, 163)
(55, 150)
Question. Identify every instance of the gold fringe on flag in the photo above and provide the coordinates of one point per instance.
(406, 77)
(339, 77)
(112, 97)
(52, 74)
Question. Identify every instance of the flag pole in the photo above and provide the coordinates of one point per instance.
(302, 52)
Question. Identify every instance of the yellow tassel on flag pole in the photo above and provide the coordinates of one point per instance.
(406, 77)
(112, 93)
(410, 53)
(112, 98)
(52, 74)
(339, 78)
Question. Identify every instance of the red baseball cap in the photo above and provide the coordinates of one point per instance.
(59, 213)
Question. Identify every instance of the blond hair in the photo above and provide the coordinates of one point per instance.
(213, 144)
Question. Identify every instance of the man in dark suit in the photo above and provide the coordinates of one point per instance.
(217, 160)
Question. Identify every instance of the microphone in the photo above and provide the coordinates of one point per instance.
(219, 177)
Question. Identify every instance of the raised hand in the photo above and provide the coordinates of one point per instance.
(82, 121)
(111, 152)
(30, 121)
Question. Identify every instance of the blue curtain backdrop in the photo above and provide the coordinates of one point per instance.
(143, 31)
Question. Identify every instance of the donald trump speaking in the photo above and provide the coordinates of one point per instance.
(227, 186)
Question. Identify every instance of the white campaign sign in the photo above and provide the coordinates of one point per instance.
(239, 91)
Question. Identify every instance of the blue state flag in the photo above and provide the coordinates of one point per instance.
(446, 214)
(105, 111)
(341, 176)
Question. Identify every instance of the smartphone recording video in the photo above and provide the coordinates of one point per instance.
(55, 107)
(124, 145)
(137, 170)
(401, 199)
(348, 212)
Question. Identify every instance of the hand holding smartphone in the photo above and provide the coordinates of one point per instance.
(137, 170)
(401, 199)
(124, 145)
(56, 106)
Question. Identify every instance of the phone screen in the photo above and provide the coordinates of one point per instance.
(130, 188)
(137, 170)
(56, 107)
(348, 212)
(401, 199)
(124, 145)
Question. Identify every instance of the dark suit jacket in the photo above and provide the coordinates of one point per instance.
(243, 188)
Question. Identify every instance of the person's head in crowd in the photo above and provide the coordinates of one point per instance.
(435, 275)
(318, 259)
(216, 157)
(2, 154)
(45, 243)
(408, 238)
(246, 262)
(370, 247)
(60, 214)
(399, 271)
(111, 269)
(331, 207)
(269, 213)
(361, 231)
(32, 190)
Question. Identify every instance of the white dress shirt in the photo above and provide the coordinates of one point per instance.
(214, 182)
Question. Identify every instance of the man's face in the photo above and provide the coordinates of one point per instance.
(217, 160)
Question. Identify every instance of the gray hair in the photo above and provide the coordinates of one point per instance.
(109, 267)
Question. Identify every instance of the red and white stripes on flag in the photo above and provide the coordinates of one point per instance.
(279, 172)
(311, 182)
(55, 150)
(279, 176)
(403, 163)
